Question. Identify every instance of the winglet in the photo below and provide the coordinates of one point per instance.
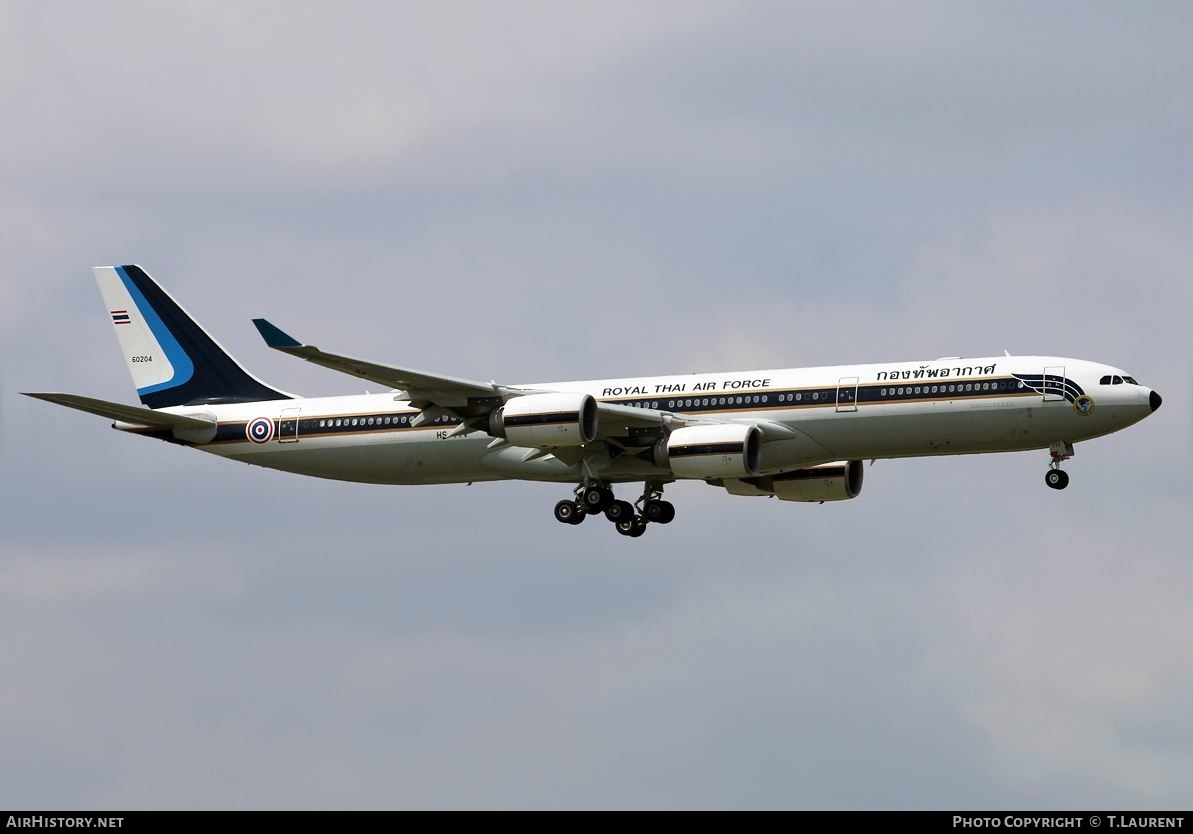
(274, 336)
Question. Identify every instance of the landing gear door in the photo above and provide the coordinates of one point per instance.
(288, 425)
(1054, 383)
(847, 393)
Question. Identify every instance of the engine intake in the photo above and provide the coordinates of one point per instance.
(721, 451)
(543, 420)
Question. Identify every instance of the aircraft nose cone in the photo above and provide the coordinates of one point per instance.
(1156, 400)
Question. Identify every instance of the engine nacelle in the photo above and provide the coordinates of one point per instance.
(542, 420)
(722, 451)
(838, 481)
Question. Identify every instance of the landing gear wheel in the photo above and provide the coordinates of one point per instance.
(1057, 478)
(568, 512)
(632, 527)
(660, 512)
(618, 511)
(596, 499)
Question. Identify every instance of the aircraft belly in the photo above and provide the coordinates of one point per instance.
(510, 462)
(937, 429)
(378, 459)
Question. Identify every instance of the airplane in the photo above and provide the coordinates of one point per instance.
(797, 434)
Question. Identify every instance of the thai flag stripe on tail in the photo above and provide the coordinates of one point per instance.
(120, 317)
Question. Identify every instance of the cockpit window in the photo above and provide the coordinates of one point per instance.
(1104, 380)
(1130, 379)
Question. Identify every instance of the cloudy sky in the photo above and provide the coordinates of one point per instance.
(530, 191)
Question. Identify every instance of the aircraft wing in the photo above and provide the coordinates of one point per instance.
(420, 386)
(621, 426)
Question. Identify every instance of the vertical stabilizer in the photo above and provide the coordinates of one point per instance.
(173, 361)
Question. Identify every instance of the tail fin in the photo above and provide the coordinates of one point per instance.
(173, 361)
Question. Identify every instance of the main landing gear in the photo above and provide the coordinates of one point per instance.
(630, 519)
(1056, 477)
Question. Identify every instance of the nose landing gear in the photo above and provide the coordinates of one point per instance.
(1056, 477)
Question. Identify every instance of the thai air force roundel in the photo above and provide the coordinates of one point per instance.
(259, 430)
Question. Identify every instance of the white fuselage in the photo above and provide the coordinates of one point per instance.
(939, 407)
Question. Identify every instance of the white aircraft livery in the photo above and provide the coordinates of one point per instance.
(797, 434)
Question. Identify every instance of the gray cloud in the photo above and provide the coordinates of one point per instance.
(556, 191)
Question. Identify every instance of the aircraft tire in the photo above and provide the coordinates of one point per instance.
(567, 512)
(596, 499)
(1057, 478)
(660, 512)
(619, 511)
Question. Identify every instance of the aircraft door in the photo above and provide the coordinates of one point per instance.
(847, 393)
(1054, 383)
(288, 425)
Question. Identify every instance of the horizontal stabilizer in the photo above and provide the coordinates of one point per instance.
(126, 413)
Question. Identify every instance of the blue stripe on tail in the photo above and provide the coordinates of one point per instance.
(184, 369)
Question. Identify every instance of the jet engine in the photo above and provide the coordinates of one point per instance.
(838, 481)
(715, 451)
(542, 420)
